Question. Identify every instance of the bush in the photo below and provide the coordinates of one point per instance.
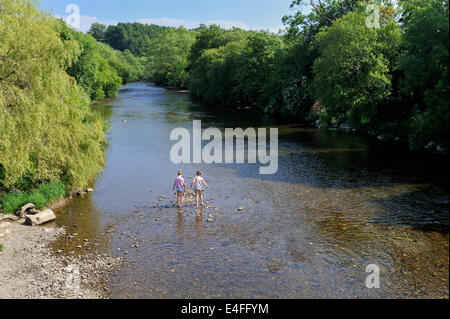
(37, 199)
(46, 126)
(41, 197)
(10, 202)
(52, 191)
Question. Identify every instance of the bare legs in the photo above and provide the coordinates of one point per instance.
(180, 199)
(199, 197)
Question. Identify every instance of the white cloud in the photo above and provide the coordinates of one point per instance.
(191, 24)
(272, 30)
(170, 22)
(87, 21)
(226, 24)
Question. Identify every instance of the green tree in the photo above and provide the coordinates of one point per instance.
(128, 67)
(132, 36)
(168, 57)
(355, 70)
(255, 66)
(213, 37)
(291, 79)
(321, 13)
(214, 61)
(214, 78)
(425, 66)
(289, 84)
(98, 31)
(47, 131)
(232, 67)
(91, 70)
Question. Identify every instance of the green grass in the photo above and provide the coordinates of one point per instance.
(40, 197)
(1, 247)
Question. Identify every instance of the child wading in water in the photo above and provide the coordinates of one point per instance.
(179, 185)
(198, 183)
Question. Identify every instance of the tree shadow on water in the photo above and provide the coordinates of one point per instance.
(425, 210)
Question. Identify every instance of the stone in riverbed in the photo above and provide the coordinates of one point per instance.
(41, 218)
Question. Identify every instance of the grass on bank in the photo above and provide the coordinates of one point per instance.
(1, 247)
(40, 197)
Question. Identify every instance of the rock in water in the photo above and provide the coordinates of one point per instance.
(40, 218)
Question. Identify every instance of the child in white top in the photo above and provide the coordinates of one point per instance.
(198, 182)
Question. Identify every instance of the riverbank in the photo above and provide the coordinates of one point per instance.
(312, 120)
(30, 269)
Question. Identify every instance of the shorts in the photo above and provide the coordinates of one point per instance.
(198, 191)
(180, 189)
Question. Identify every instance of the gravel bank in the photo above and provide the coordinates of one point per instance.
(30, 269)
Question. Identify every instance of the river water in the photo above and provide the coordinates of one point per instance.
(337, 204)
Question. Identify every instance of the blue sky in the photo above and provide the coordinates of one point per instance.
(247, 14)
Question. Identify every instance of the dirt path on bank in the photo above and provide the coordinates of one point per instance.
(30, 269)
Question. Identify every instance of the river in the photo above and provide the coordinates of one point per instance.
(338, 203)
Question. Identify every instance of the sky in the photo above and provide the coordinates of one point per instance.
(246, 14)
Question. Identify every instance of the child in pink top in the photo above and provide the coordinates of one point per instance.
(179, 185)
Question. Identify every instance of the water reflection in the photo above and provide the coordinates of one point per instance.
(83, 222)
(180, 226)
(199, 224)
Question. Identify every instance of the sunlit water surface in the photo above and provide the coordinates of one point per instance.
(337, 204)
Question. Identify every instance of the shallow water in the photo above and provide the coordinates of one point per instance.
(337, 204)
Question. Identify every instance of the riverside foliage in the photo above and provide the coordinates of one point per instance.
(49, 74)
(329, 66)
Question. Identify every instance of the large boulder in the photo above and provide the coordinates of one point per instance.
(40, 218)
